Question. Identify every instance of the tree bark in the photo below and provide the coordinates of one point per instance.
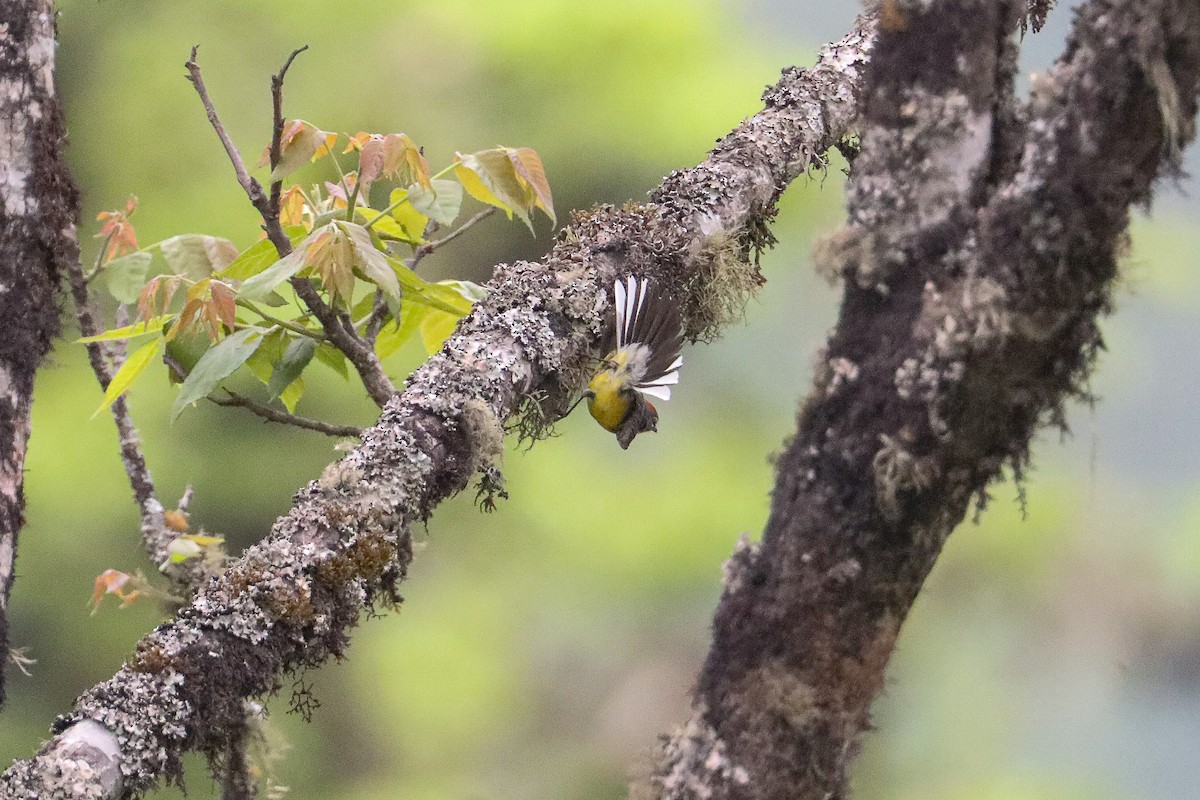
(981, 250)
(38, 212)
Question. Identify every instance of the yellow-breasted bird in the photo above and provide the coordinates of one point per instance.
(645, 361)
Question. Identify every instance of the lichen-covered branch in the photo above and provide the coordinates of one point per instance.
(290, 601)
(38, 212)
(981, 249)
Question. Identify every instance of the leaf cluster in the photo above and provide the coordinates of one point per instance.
(208, 308)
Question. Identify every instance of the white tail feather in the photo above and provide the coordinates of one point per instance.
(670, 378)
(661, 392)
(619, 296)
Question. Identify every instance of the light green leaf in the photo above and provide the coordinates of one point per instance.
(262, 285)
(418, 290)
(124, 277)
(152, 325)
(372, 262)
(472, 291)
(258, 256)
(133, 366)
(442, 203)
(392, 337)
(296, 358)
(385, 225)
(412, 221)
(436, 327)
(196, 255)
(290, 396)
(215, 366)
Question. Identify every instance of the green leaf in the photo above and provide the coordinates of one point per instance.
(373, 263)
(489, 176)
(392, 337)
(436, 327)
(295, 359)
(292, 394)
(133, 366)
(412, 221)
(418, 290)
(196, 255)
(262, 285)
(152, 325)
(333, 358)
(215, 366)
(258, 256)
(124, 277)
(470, 290)
(186, 351)
(385, 225)
(442, 203)
(268, 354)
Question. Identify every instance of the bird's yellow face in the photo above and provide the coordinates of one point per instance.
(609, 396)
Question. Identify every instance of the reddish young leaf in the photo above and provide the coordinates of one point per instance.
(150, 303)
(117, 229)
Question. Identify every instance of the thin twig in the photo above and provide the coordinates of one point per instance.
(430, 247)
(277, 133)
(235, 400)
(156, 537)
(378, 385)
(252, 187)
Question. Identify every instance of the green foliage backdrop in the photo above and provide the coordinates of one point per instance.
(542, 648)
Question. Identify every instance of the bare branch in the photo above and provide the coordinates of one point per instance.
(271, 218)
(269, 414)
(429, 247)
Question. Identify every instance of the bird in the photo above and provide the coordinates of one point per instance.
(643, 363)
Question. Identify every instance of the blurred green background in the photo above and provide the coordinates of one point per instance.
(543, 648)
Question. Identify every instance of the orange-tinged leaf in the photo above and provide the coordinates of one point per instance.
(529, 169)
(403, 160)
(359, 139)
(301, 142)
(117, 229)
(292, 207)
(110, 581)
(223, 302)
(133, 367)
(330, 255)
(176, 520)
